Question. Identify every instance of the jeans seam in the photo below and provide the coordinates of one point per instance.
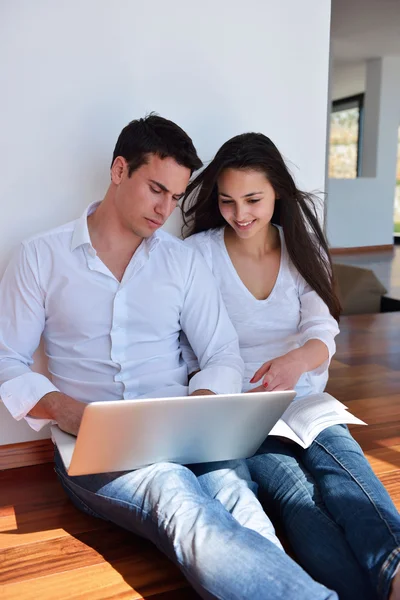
(361, 485)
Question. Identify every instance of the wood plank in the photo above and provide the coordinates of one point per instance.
(35, 452)
(112, 544)
(378, 410)
(384, 435)
(391, 481)
(23, 525)
(18, 485)
(385, 359)
(141, 566)
(372, 326)
(384, 460)
(336, 364)
(389, 248)
(181, 594)
(101, 582)
(364, 384)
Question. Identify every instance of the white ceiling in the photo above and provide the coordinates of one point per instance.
(363, 29)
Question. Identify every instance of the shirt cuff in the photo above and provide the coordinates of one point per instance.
(329, 343)
(22, 393)
(220, 380)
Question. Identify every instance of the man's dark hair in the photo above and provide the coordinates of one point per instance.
(155, 135)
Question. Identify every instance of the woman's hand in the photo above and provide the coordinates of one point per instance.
(281, 373)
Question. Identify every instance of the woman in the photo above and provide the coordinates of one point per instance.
(261, 237)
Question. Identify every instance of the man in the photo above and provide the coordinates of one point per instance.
(111, 295)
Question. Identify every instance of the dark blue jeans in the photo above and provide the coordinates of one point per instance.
(338, 517)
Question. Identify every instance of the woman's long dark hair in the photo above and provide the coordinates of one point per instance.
(294, 210)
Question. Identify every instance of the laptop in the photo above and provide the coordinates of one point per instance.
(123, 435)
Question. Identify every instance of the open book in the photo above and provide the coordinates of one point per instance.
(306, 417)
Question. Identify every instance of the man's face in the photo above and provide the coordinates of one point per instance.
(145, 200)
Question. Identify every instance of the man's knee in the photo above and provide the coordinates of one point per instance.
(169, 476)
(227, 477)
(169, 487)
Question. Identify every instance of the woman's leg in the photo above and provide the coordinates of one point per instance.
(230, 482)
(358, 502)
(288, 491)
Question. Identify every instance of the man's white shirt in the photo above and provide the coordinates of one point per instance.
(107, 339)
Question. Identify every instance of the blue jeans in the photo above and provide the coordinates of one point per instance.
(167, 504)
(338, 517)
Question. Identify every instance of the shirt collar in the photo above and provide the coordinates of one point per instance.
(152, 241)
(81, 232)
(81, 235)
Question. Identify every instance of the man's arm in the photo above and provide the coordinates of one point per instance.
(59, 407)
(22, 321)
(210, 333)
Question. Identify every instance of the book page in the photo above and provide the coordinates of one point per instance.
(282, 429)
(338, 419)
(306, 417)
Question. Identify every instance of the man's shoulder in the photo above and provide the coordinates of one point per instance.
(171, 242)
(205, 243)
(203, 237)
(186, 258)
(55, 236)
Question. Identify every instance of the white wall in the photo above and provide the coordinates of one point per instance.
(360, 211)
(78, 71)
(348, 79)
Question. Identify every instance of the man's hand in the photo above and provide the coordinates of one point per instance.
(202, 393)
(63, 409)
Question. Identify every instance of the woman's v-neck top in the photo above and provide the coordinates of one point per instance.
(292, 314)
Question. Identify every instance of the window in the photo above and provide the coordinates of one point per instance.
(397, 192)
(345, 137)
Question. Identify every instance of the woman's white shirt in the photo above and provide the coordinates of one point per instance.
(292, 314)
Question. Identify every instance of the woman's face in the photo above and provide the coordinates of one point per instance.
(246, 200)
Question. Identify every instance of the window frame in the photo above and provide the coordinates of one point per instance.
(356, 101)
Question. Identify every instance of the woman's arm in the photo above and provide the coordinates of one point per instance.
(317, 331)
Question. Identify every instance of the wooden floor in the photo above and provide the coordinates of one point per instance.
(50, 551)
